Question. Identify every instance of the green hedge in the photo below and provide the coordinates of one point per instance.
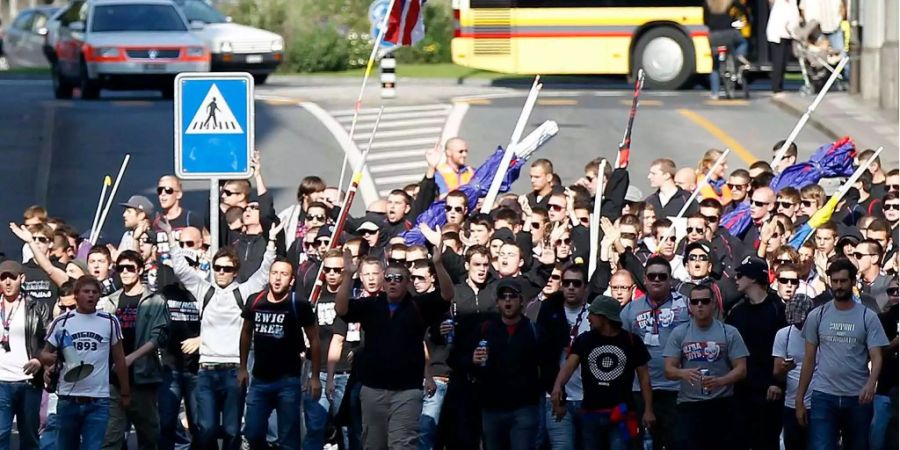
(322, 35)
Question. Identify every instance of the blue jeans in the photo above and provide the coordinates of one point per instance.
(283, 396)
(50, 433)
(833, 415)
(836, 40)
(510, 430)
(22, 400)
(316, 413)
(176, 385)
(598, 431)
(564, 434)
(880, 421)
(82, 426)
(218, 393)
(431, 415)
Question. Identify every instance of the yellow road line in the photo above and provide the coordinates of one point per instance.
(557, 101)
(477, 101)
(726, 102)
(719, 134)
(644, 102)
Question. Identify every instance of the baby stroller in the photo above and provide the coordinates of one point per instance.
(817, 59)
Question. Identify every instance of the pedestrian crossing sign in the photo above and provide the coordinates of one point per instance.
(213, 125)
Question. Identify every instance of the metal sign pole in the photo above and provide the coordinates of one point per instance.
(213, 216)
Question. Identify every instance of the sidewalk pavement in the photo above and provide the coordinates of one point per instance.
(841, 114)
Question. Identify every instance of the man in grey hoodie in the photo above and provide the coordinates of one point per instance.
(145, 326)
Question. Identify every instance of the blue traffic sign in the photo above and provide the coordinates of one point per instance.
(213, 125)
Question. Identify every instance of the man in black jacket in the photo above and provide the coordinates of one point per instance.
(507, 369)
(758, 317)
(668, 199)
(24, 323)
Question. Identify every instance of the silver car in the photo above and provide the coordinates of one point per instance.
(24, 38)
(123, 44)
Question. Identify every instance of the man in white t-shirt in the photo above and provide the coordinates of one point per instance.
(24, 322)
(86, 338)
(788, 349)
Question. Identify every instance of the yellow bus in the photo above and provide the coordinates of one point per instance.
(667, 38)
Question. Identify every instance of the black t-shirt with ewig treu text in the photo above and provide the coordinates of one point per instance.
(277, 335)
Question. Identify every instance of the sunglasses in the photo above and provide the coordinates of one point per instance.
(66, 308)
(323, 241)
(791, 281)
(369, 232)
(784, 261)
(572, 283)
(585, 220)
(223, 269)
(414, 262)
(316, 218)
(129, 268)
(309, 244)
(402, 262)
(166, 189)
(327, 269)
(629, 236)
(807, 203)
(620, 288)
(786, 205)
(759, 203)
(394, 277)
(187, 244)
(7, 276)
(252, 206)
(41, 239)
(701, 301)
(859, 255)
(711, 219)
(556, 277)
(891, 206)
(509, 296)
(893, 291)
(736, 187)
(698, 230)
(458, 209)
(670, 238)
(535, 225)
(694, 257)
(555, 207)
(657, 276)
(228, 193)
(566, 241)
(893, 187)
(416, 278)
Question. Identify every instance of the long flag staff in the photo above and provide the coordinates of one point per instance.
(112, 196)
(625, 146)
(345, 208)
(812, 107)
(595, 221)
(107, 181)
(824, 213)
(693, 197)
(381, 33)
(510, 149)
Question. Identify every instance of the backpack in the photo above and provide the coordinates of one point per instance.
(212, 291)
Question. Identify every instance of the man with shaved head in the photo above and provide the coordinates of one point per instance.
(169, 193)
(621, 287)
(686, 178)
(453, 171)
(762, 206)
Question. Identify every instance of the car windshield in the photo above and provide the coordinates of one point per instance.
(200, 11)
(136, 17)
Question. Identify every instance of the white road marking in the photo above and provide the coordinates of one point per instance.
(454, 121)
(397, 154)
(399, 179)
(403, 142)
(392, 109)
(399, 133)
(393, 116)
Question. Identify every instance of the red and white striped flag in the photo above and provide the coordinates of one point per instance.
(405, 24)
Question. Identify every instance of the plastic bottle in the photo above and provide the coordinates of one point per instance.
(648, 440)
(483, 345)
(452, 333)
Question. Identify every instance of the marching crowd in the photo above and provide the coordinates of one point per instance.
(466, 330)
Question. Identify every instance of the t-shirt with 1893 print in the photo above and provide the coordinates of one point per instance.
(277, 335)
(844, 338)
(92, 337)
(714, 348)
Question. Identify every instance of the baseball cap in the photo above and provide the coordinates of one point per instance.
(633, 194)
(606, 306)
(12, 267)
(140, 203)
(509, 283)
(370, 222)
(701, 244)
(755, 269)
(504, 235)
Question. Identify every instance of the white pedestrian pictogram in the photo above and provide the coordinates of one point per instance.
(214, 116)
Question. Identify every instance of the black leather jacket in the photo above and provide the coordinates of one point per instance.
(37, 319)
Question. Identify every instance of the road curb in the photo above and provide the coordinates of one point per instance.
(798, 112)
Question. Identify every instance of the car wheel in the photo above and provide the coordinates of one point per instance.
(61, 88)
(260, 79)
(90, 90)
(667, 57)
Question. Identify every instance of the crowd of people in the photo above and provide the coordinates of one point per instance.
(467, 330)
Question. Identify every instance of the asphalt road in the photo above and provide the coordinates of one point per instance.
(57, 152)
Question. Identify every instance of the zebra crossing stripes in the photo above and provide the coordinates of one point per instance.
(397, 157)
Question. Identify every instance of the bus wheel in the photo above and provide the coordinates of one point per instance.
(667, 57)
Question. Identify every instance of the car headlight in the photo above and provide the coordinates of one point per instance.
(196, 52)
(226, 47)
(106, 52)
(277, 45)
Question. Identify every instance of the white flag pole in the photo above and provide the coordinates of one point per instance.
(595, 222)
(112, 196)
(107, 181)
